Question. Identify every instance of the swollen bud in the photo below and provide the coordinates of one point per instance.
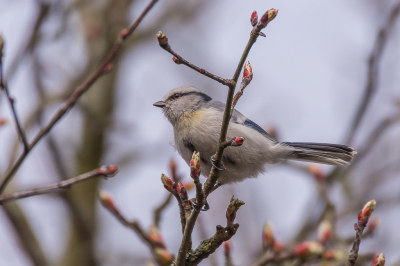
(227, 248)
(106, 200)
(162, 256)
(233, 207)
(238, 141)
(309, 248)
(379, 260)
(195, 164)
(248, 71)
(267, 236)
(167, 182)
(162, 39)
(254, 18)
(365, 213)
(108, 170)
(324, 231)
(268, 16)
(155, 237)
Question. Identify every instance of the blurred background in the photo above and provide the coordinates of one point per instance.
(311, 74)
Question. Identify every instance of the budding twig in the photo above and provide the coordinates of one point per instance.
(247, 77)
(79, 91)
(107, 201)
(359, 227)
(105, 172)
(163, 41)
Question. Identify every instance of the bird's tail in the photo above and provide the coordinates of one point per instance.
(333, 154)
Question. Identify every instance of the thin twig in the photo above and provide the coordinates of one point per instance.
(134, 225)
(158, 211)
(11, 100)
(79, 91)
(181, 209)
(105, 172)
(354, 249)
(180, 60)
(373, 66)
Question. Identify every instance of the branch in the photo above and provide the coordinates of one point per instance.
(163, 41)
(217, 158)
(158, 211)
(373, 65)
(108, 203)
(11, 100)
(105, 172)
(101, 70)
(269, 257)
(359, 227)
(209, 246)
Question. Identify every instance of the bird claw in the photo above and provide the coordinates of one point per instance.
(205, 208)
(222, 168)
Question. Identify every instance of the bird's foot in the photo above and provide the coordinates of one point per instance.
(206, 206)
(222, 168)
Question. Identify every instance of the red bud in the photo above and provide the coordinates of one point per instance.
(254, 18)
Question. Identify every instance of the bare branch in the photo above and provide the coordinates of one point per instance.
(79, 91)
(11, 100)
(163, 41)
(105, 172)
(158, 211)
(373, 66)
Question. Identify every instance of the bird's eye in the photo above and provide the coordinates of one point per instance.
(176, 95)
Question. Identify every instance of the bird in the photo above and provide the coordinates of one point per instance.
(196, 120)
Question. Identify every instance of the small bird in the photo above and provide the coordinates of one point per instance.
(196, 119)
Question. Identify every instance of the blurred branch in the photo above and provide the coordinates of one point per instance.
(269, 257)
(27, 239)
(11, 100)
(70, 102)
(158, 211)
(104, 171)
(373, 67)
(108, 203)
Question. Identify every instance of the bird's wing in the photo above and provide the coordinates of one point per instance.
(239, 118)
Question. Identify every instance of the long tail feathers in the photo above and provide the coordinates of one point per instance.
(333, 154)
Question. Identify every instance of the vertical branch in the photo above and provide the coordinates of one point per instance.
(11, 100)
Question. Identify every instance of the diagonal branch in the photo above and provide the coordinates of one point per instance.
(105, 172)
(373, 65)
(101, 70)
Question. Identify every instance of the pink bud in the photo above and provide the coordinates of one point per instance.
(324, 231)
(168, 183)
(267, 236)
(162, 256)
(155, 237)
(108, 171)
(309, 248)
(227, 247)
(238, 141)
(3, 121)
(124, 33)
(233, 207)
(316, 171)
(379, 260)
(195, 164)
(176, 60)
(254, 18)
(248, 71)
(162, 39)
(268, 16)
(331, 254)
(189, 185)
(106, 200)
(366, 212)
(277, 246)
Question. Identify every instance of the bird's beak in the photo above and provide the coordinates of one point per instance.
(160, 104)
